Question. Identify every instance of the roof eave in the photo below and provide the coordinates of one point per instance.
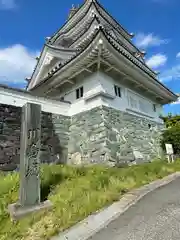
(171, 97)
(174, 96)
(35, 68)
(70, 61)
(68, 20)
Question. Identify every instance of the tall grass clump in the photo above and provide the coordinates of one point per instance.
(75, 193)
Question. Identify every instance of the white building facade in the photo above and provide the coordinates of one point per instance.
(115, 99)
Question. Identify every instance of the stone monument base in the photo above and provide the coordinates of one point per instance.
(17, 211)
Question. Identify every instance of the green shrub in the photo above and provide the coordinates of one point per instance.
(172, 135)
(171, 121)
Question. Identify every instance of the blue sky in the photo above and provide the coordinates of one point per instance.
(24, 24)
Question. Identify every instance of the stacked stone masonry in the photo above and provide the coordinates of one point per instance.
(54, 142)
(101, 135)
(127, 134)
(87, 138)
(107, 135)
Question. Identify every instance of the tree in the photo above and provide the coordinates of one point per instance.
(172, 133)
(171, 120)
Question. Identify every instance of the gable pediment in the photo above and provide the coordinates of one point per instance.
(49, 58)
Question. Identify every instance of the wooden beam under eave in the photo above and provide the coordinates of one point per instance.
(63, 82)
(113, 67)
(99, 58)
(109, 69)
(50, 90)
(159, 98)
(70, 81)
(140, 86)
(87, 70)
(73, 76)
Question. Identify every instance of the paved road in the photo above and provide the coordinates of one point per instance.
(155, 217)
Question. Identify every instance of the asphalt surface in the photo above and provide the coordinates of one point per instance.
(154, 217)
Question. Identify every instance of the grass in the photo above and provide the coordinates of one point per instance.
(75, 192)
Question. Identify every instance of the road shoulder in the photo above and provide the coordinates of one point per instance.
(98, 221)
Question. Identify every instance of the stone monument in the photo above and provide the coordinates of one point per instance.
(169, 152)
(29, 199)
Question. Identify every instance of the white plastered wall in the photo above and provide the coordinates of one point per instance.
(99, 83)
(18, 99)
(98, 91)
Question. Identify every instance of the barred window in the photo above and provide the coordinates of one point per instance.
(117, 91)
(79, 92)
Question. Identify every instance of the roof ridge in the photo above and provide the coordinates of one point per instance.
(94, 18)
(100, 5)
(67, 22)
(67, 61)
(100, 29)
(128, 51)
(139, 66)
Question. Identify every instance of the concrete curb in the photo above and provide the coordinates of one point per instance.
(96, 222)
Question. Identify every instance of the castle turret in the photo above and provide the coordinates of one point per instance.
(92, 41)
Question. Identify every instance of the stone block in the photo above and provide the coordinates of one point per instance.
(9, 167)
(17, 211)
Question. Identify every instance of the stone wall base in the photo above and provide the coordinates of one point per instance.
(100, 135)
(54, 137)
(17, 212)
(106, 135)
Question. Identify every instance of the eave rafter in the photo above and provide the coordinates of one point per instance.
(55, 70)
(147, 91)
(154, 80)
(83, 44)
(55, 52)
(79, 32)
(99, 11)
(71, 23)
(134, 83)
(76, 73)
(119, 45)
(82, 12)
(98, 50)
(125, 77)
(112, 21)
(100, 46)
(84, 34)
(122, 49)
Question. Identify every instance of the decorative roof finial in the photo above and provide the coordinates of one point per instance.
(73, 10)
(27, 79)
(132, 35)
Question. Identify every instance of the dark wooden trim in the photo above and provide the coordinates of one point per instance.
(101, 6)
(126, 56)
(118, 42)
(70, 60)
(53, 40)
(115, 47)
(85, 30)
(36, 66)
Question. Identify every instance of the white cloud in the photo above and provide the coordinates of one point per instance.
(178, 55)
(16, 63)
(166, 79)
(143, 41)
(156, 61)
(177, 102)
(170, 74)
(7, 4)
